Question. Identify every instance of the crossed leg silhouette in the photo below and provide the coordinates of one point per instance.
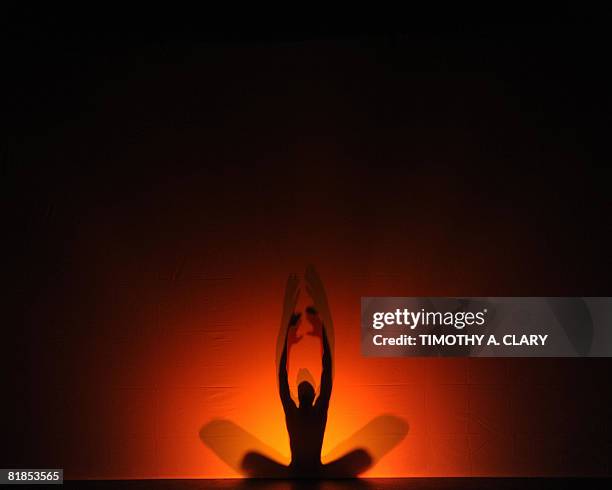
(257, 465)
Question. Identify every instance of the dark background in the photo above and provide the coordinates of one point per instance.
(476, 160)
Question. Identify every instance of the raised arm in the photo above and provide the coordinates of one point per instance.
(315, 289)
(319, 330)
(326, 374)
(292, 292)
(283, 377)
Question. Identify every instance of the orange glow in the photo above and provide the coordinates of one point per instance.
(190, 370)
(188, 350)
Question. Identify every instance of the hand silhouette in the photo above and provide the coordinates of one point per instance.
(292, 336)
(315, 320)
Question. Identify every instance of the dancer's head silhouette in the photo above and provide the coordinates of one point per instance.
(306, 394)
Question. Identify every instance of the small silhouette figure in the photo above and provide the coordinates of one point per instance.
(306, 422)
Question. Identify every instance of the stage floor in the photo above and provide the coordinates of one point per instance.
(365, 484)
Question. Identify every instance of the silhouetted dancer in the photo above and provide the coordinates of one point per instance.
(306, 422)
